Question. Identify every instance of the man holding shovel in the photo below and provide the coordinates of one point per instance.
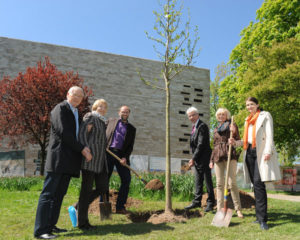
(201, 150)
(120, 136)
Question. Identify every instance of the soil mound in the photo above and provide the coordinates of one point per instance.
(247, 201)
(155, 184)
(113, 195)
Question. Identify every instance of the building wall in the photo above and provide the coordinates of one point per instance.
(115, 78)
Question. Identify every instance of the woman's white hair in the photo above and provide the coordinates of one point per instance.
(192, 109)
(223, 110)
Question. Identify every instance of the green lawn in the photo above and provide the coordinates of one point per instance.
(17, 214)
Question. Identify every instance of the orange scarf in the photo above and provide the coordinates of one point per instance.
(250, 120)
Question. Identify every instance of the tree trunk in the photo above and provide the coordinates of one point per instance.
(168, 207)
(43, 159)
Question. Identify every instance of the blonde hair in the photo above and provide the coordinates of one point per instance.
(223, 110)
(97, 103)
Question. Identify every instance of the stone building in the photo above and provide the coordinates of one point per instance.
(115, 78)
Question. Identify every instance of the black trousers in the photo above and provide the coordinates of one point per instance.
(87, 195)
(47, 213)
(125, 177)
(203, 172)
(259, 186)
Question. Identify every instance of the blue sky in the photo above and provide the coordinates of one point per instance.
(118, 26)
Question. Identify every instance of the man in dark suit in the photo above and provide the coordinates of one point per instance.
(63, 161)
(201, 155)
(120, 136)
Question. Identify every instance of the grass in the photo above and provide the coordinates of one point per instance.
(17, 215)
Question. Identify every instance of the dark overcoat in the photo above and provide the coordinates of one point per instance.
(64, 150)
(199, 143)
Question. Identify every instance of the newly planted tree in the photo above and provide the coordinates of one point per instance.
(27, 100)
(173, 46)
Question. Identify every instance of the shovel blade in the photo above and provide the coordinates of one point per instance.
(222, 218)
(105, 210)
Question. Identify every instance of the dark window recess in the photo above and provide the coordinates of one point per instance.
(185, 93)
(181, 112)
(187, 134)
(198, 90)
(183, 125)
(201, 114)
(197, 100)
(187, 104)
(183, 140)
(187, 85)
(186, 99)
(185, 152)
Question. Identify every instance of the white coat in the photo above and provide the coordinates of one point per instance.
(269, 170)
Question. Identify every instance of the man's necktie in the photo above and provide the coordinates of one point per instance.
(77, 122)
(193, 130)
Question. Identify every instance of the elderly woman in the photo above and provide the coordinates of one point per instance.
(219, 159)
(260, 157)
(92, 134)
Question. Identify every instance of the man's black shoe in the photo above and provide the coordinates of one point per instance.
(264, 226)
(58, 230)
(192, 205)
(46, 236)
(86, 226)
(208, 208)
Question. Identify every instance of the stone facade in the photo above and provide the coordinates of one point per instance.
(115, 78)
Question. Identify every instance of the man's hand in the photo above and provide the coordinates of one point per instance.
(211, 165)
(123, 161)
(191, 163)
(89, 127)
(86, 152)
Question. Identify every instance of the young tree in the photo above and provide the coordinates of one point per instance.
(174, 44)
(27, 100)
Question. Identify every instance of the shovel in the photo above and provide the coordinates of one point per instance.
(154, 184)
(223, 216)
(116, 157)
(105, 208)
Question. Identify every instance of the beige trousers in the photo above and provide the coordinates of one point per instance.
(220, 169)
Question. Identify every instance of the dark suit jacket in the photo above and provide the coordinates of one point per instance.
(64, 151)
(129, 138)
(200, 144)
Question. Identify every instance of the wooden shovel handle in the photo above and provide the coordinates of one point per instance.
(227, 169)
(126, 165)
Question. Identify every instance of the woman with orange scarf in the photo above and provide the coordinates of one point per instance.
(260, 157)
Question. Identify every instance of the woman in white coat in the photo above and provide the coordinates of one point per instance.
(260, 157)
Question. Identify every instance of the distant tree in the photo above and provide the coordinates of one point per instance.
(27, 100)
(173, 44)
(277, 21)
(221, 71)
(273, 76)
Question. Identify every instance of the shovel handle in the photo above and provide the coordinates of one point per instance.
(126, 165)
(227, 169)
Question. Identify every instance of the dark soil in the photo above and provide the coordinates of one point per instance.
(157, 217)
(155, 184)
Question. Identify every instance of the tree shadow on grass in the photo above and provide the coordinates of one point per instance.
(125, 229)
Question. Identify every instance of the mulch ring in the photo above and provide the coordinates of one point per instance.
(157, 217)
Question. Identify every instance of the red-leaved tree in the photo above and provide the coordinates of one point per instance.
(27, 100)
